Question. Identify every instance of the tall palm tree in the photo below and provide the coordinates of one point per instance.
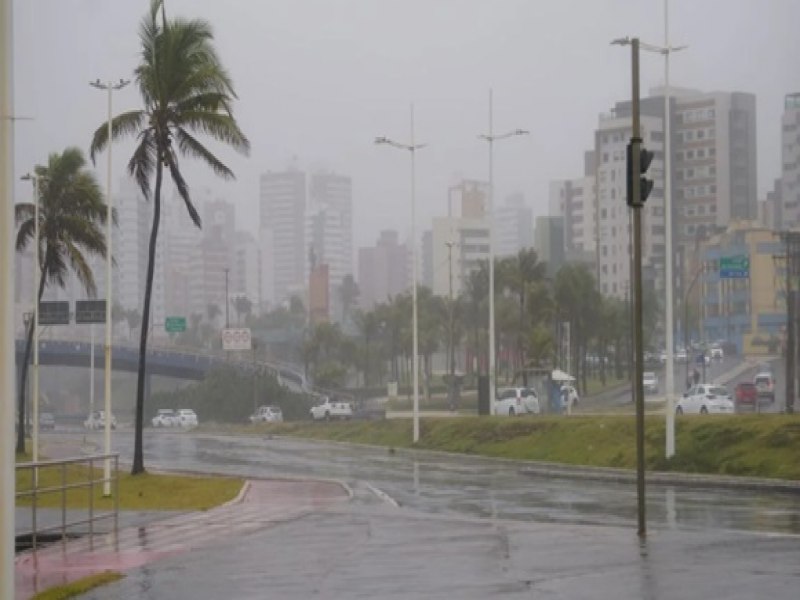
(186, 91)
(71, 218)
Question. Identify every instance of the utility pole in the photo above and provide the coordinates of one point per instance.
(452, 349)
(791, 241)
(227, 317)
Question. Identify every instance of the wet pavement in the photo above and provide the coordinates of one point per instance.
(429, 525)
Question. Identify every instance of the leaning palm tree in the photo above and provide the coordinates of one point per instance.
(186, 91)
(71, 218)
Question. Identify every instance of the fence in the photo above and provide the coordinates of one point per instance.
(77, 480)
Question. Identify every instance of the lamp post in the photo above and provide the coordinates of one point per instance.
(412, 149)
(669, 318)
(491, 138)
(109, 87)
(36, 277)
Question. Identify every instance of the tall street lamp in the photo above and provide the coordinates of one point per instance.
(36, 277)
(491, 137)
(666, 50)
(412, 148)
(110, 87)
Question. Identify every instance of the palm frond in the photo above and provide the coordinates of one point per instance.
(183, 188)
(128, 123)
(190, 146)
(219, 126)
(142, 162)
(82, 269)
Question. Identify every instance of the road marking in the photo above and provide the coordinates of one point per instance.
(383, 495)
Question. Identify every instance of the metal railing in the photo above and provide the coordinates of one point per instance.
(88, 481)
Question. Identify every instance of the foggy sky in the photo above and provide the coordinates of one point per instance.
(318, 79)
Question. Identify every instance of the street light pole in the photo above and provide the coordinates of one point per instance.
(227, 318)
(491, 138)
(109, 87)
(412, 149)
(7, 351)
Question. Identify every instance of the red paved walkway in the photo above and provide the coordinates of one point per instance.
(262, 504)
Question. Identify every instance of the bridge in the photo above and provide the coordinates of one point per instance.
(168, 362)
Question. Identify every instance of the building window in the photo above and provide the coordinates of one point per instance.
(712, 151)
(605, 157)
(701, 134)
(701, 153)
(690, 154)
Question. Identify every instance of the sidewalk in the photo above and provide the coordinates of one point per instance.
(260, 505)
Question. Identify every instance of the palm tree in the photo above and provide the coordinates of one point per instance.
(186, 91)
(71, 218)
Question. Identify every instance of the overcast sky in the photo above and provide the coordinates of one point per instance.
(318, 79)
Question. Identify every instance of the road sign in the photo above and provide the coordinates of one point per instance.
(90, 311)
(54, 313)
(175, 324)
(734, 267)
(236, 339)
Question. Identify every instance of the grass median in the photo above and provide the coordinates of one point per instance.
(745, 445)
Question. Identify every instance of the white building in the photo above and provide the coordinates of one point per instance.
(574, 200)
(789, 208)
(283, 230)
(246, 273)
(513, 226)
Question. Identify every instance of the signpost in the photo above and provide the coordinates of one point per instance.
(236, 338)
(175, 324)
(54, 313)
(90, 311)
(734, 267)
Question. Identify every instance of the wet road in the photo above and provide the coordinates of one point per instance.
(426, 525)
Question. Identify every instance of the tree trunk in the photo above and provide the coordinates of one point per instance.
(24, 374)
(138, 456)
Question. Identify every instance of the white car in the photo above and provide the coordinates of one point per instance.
(650, 382)
(267, 414)
(717, 352)
(332, 409)
(705, 398)
(97, 420)
(516, 401)
(186, 417)
(765, 385)
(165, 417)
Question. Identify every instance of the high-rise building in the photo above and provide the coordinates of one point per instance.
(283, 234)
(574, 200)
(548, 241)
(182, 238)
(212, 274)
(513, 226)
(329, 229)
(382, 270)
(246, 269)
(789, 207)
(426, 275)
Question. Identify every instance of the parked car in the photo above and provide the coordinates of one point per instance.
(568, 391)
(97, 420)
(717, 352)
(186, 417)
(765, 384)
(516, 401)
(705, 398)
(745, 394)
(267, 414)
(650, 382)
(47, 420)
(165, 417)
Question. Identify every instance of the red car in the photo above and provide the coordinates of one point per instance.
(746, 394)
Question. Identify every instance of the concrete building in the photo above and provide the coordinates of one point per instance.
(548, 241)
(246, 270)
(789, 207)
(426, 272)
(513, 226)
(283, 234)
(182, 238)
(329, 229)
(382, 270)
(458, 243)
(574, 200)
(751, 312)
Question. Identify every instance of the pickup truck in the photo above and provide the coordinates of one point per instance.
(332, 409)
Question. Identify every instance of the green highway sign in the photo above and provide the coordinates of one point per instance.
(734, 267)
(175, 324)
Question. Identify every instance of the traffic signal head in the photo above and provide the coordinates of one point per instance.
(645, 185)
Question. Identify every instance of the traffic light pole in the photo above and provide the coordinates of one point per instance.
(636, 202)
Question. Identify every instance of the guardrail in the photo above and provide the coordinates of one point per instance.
(36, 492)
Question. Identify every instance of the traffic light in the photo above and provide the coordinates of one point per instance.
(645, 185)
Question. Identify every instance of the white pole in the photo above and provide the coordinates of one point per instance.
(8, 375)
(107, 373)
(490, 216)
(670, 375)
(414, 276)
(91, 370)
(36, 276)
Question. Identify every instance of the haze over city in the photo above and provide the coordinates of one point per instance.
(318, 80)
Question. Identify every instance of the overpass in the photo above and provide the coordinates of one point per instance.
(168, 362)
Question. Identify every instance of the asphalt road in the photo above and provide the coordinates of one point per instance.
(428, 525)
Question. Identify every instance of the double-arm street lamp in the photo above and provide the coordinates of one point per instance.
(412, 148)
(110, 87)
(491, 138)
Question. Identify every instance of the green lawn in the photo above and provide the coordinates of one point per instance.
(76, 588)
(753, 445)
